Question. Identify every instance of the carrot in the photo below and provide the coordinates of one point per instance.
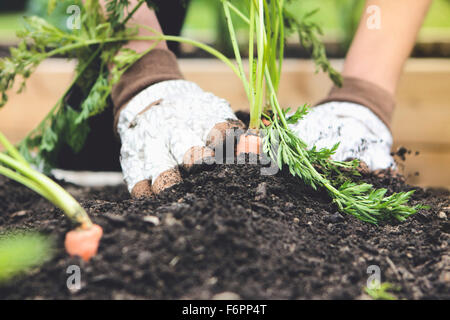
(249, 143)
(84, 241)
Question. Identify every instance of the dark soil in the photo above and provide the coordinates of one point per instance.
(229, 229)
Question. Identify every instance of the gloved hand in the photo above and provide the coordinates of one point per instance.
(362, 135)
(160, 125)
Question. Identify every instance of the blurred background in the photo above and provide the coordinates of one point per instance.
(204, 22)
(421, 121)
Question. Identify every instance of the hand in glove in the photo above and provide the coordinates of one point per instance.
(361, 133)
(162, 126)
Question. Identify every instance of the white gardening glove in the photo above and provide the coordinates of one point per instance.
(362, 135)
(155, 140)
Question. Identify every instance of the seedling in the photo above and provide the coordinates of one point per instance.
(97, 45)
(381, 292)
(19, 252)
(82, 242)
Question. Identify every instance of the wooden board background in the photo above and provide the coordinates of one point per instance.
(421, 121)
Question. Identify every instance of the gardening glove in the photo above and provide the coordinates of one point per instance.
(168, 124)
(356, 115)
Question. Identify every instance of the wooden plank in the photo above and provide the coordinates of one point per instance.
(427, 169)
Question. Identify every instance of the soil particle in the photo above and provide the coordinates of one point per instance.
(261, 191)
(442, 215)
(219, 234)
(401, 153)
(226, 296)
(152, 219)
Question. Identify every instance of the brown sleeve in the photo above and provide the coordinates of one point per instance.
(156, 66)
(365, 93)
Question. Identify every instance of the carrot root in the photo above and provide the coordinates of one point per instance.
(249, 143)
(83, 242)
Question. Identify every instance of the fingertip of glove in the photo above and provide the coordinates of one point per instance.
(219, 132)
(196, 156)
(166, 180)
(142, 190)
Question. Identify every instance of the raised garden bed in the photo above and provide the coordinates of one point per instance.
(229, 229)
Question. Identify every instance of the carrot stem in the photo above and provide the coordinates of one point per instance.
(41, 184)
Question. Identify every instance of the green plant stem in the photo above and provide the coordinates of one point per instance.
(236, 47)
(26, 182)
(49, 189)
(132, 12)
(239, 13)
(275, 104)
(256, 109)
(11, 150)
(251, 47)
(179, 39)
(206, 48)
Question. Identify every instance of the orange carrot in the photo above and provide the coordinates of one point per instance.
(84, 241)
(249, 143)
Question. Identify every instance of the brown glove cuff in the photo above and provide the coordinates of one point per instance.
(156, 66)
(365, 93)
